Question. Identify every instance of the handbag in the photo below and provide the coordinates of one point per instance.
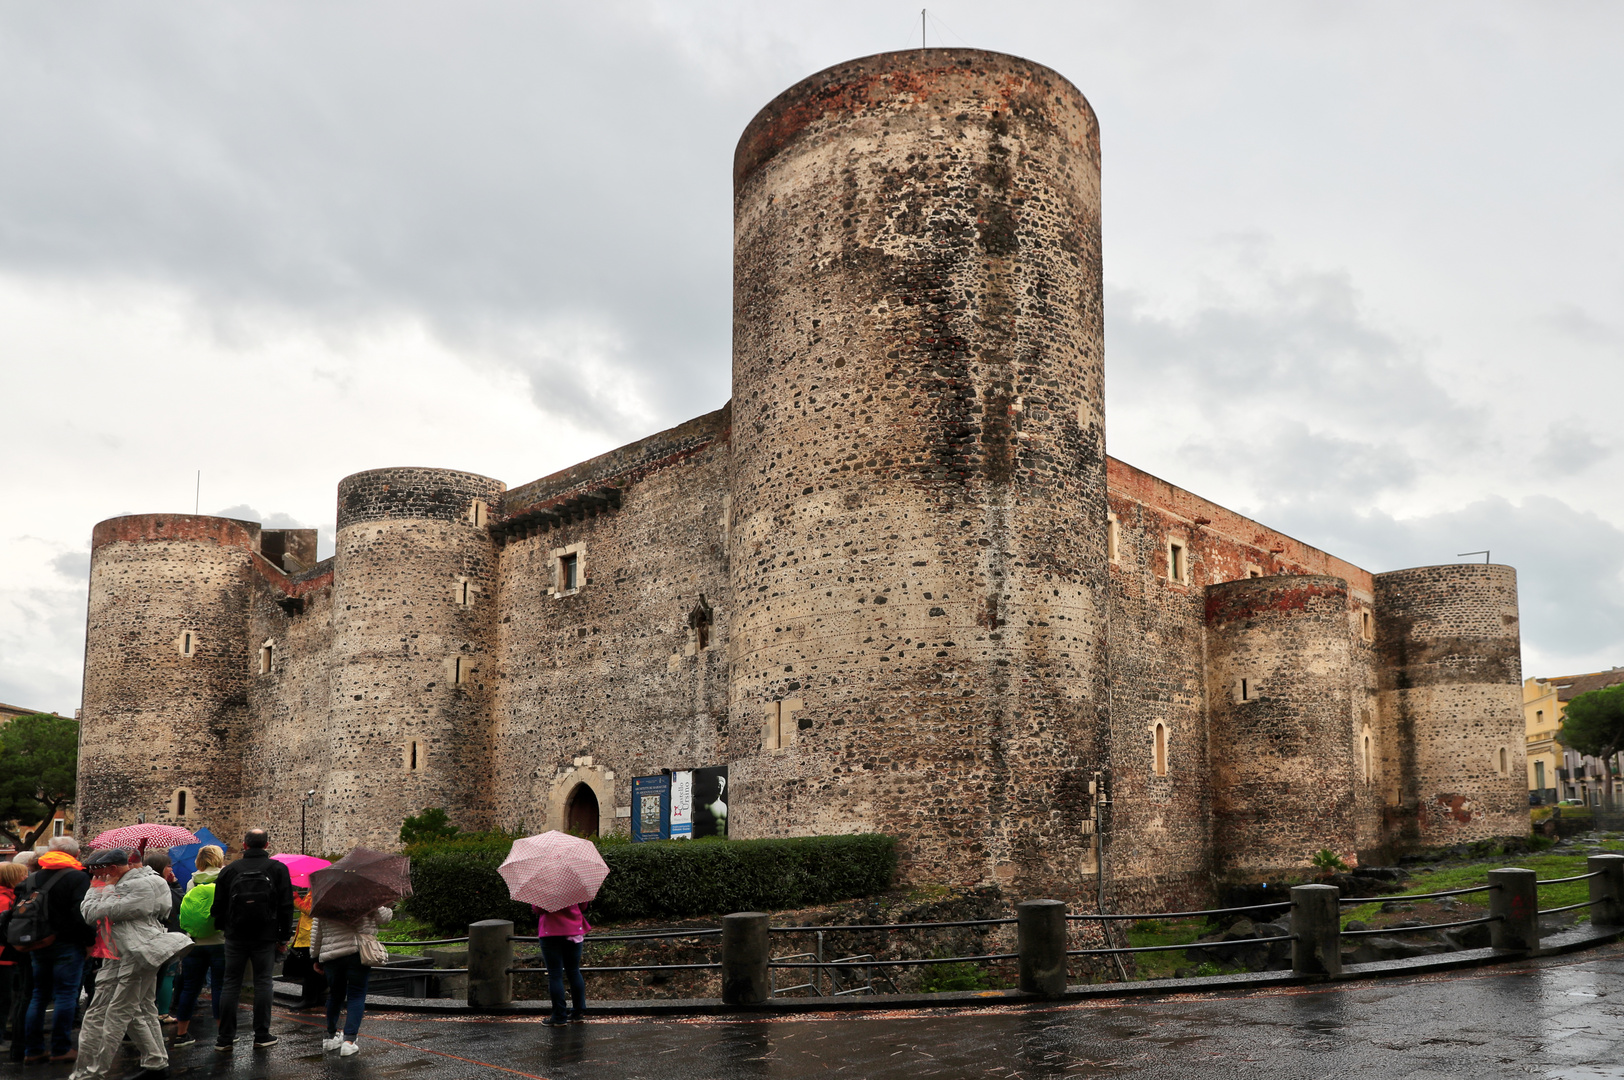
(372, 952)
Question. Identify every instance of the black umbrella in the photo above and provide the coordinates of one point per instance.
(359, 882)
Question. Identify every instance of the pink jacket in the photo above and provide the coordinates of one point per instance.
(567, 923)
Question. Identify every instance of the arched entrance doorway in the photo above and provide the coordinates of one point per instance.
(581, 813)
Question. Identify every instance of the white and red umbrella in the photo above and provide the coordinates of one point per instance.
(146, 835)
(553, 870)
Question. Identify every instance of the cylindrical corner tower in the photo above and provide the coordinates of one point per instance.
(918, 533)
(413, 593)
(167, 666)
(1449, 651)
(1281, 727)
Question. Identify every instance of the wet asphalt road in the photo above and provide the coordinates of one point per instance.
(1558, 1017)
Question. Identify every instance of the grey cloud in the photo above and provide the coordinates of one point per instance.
(302, 160)
(1568, 451)
(1301, 339)
(1295, 462)
(73, 565)
(1575, 322)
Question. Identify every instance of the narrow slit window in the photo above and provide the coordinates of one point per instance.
(457, 671)
(1161, 750)
(464, 595)
(267, 658)
(180, 804)
(477, 511)
(1505, 761)
(568, 568)
(413, 760)
(1175, 562)
(186, 643)
(1113, 539)
(1364, 625)
(1246, 690)
(1369, 770)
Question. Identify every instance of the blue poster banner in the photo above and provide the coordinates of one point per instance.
(651, 808)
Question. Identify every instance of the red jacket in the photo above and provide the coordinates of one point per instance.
(8, 897)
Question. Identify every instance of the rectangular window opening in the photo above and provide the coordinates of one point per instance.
(462, 593)
(411, 756)
(186, 645)
(568, 566)
(456, 674)
(1175, 562)
(1113, 539)
(267, 659)
(56, 827)
(1246, 690)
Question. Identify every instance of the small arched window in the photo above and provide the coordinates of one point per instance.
(1505, 762)
(1160, 750)
(181, 803)
(1369, 760)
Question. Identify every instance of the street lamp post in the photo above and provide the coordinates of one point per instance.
(308, 801)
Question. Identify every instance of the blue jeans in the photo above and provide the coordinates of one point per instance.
(563, 957)
(203, 962)
(57, 971)
(347, 980)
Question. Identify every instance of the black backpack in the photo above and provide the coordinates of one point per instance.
(28, 923)
(253, 903)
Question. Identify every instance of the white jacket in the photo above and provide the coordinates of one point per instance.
(136, 908)
(331, 938)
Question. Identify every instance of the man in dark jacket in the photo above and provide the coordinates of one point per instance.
(253, 906)
(59, 967)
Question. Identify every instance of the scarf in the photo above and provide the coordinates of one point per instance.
(59, 860)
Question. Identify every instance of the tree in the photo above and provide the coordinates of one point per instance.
(1594, 726)
(431, 824)
(39, 765)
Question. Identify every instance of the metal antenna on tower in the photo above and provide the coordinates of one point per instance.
(921, 29)
(1463, 554)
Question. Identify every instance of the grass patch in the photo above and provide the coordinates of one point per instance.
(1443, 878)
(406, 928)
(1162, 965)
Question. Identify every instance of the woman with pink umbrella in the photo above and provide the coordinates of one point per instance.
(299, 964)
(557, 873)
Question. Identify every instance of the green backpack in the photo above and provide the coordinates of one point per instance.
(197, 911)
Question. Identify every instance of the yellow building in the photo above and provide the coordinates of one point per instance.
(1556, 773)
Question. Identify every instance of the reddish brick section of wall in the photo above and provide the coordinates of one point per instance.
(919, 463)
(1452, 703)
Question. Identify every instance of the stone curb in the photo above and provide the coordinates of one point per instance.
(1567, 941)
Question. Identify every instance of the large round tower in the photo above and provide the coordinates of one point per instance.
(413, 593)
(1281, 728)
(917, 545)
(1450, 653)
(167, 666)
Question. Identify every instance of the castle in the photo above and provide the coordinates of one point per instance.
(895, 584)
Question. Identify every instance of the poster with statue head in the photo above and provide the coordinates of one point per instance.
(710, 801)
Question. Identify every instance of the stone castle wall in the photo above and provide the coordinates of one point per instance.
(919, 469)
(1451, 703)
(895, 584)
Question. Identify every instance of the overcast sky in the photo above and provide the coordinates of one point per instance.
(1363, 261)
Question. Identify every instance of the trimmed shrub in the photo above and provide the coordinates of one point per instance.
(455, 882)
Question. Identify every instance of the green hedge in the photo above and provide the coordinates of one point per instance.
(455, 882)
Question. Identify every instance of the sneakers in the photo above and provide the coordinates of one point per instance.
(184, 1040)
(577, 1017)
(348, 1049)
(553, 1021)
(222, 1048)
(264, 1041)
(332, 1042)
(70, 1054)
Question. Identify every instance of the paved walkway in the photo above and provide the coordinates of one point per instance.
(1558, 1017)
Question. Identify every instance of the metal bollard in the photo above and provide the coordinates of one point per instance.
(490, 955)
(1606, 891)
(1316, 930)
(744, 959)
(1040, 942)
(1514, 905)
